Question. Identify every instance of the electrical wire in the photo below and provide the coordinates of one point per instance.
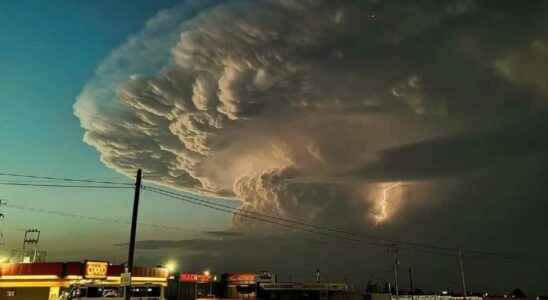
(91, 218)
(276, 220)
(235, 212)
(288, 225)
(9, 174)
(378, 241)
(10, 183)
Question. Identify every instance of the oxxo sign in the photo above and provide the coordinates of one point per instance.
(95, 270)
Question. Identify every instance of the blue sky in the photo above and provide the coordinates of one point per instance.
(48, 51)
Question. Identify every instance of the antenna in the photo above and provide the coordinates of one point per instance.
(32, 237)
(26, 255)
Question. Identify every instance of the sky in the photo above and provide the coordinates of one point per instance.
(408, 122)
(48, 55)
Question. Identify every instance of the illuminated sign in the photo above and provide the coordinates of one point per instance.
(265, 277)
(125, 279)
(242, 277)
(190, 277)
(95, 270)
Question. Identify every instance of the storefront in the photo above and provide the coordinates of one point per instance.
(45, 281)
(239, 286)
(191, 286)
(305, 291)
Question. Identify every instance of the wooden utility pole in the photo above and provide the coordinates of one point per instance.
(411, 287)
(461, 269)
(133, 231)
(394, 249)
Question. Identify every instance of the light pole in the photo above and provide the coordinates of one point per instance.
(207, 273)
(461, 271)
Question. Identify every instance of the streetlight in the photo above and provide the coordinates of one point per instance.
(207, 273)
(171, 266)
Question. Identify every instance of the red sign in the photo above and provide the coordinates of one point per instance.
(190, 277)
(242, 277)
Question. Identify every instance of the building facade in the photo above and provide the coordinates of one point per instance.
(45, 281)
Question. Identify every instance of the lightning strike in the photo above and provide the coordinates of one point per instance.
(384, 208)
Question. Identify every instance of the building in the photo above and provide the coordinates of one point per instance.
(239, 286)
(45, 281)
(386, 296)
(312, 291)
(191, 286)
(262, 285)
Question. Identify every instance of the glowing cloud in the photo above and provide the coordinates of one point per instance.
(248, 104)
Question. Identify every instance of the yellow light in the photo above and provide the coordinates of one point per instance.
(140, 279)
(33, 283)
(171, 266)
(54, 292)
(206, 273)
(149, 279)
(28, 277)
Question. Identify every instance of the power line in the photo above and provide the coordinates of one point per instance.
(241, 212)
(10, 183)
(235, 212)
(91, 218)
(379, 241)
(7, 174)
(300, 223)
(247, 214)
(290, 226)
(284, 222)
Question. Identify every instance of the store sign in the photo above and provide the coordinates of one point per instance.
(242, 277)
(265, 277)
(125, 279)
(190, 277)
(95, 270)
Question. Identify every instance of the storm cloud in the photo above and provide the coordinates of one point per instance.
(358, 113)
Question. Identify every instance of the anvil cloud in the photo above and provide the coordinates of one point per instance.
(350, 113)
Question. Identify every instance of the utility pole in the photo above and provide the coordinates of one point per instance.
(412, 289)
(461, 269)
(133, 229)
(395, 250)
(2, 216)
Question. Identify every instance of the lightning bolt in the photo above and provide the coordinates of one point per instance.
(383, 204)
